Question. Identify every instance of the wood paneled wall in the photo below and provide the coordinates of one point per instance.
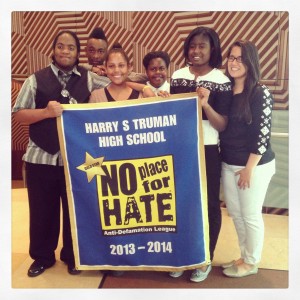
(140, 32)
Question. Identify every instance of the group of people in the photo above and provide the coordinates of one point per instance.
(236, 112)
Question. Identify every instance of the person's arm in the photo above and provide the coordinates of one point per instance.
(99, 70)
(259, 133)
(30, 116)
(96, 82)
(145, 89)
(24, 110)
(137, 77)
(163, 94)
(86, 66)
(218, 121)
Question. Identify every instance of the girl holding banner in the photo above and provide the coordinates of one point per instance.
(203, 58)
(38, 104)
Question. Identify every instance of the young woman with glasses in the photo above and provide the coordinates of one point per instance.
(248, 162)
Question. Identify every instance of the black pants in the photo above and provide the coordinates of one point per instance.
(46, 187)
(213, 176)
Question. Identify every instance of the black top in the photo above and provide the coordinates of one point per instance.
(240, 139)
(134, 95)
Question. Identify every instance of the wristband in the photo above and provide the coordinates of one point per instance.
(146, 87)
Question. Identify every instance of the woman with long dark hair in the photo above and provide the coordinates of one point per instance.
(248, 162)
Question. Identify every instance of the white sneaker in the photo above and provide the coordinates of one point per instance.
(198, 275)
(176, 274)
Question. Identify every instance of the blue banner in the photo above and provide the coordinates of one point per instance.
(136, 183)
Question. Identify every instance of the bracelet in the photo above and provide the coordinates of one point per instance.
(146, 87)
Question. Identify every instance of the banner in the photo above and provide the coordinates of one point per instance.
(136, 183)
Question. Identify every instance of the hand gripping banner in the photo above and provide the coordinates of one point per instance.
(136, 183)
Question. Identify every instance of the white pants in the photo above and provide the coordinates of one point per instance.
(245, 207)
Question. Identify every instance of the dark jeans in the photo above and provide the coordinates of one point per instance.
(46, 187)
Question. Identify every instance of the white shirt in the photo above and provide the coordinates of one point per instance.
(165, 87)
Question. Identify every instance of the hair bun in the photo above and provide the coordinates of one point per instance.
(116, 46)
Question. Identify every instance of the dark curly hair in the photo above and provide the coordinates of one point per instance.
(156, 54)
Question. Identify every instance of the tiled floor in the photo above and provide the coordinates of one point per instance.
(276, 246)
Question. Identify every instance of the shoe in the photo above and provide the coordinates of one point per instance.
(71, 268)
(117, 273)
(176, 274)
(73, 271)
(232, 263)
(198, 275)
(38, 268)
(228, 265)
(234, 272)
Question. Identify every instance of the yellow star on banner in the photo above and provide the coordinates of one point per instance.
(92, 166)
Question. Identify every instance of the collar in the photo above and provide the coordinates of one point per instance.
(163, 87)
(55, 69)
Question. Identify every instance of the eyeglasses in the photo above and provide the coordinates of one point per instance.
(231, 58)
